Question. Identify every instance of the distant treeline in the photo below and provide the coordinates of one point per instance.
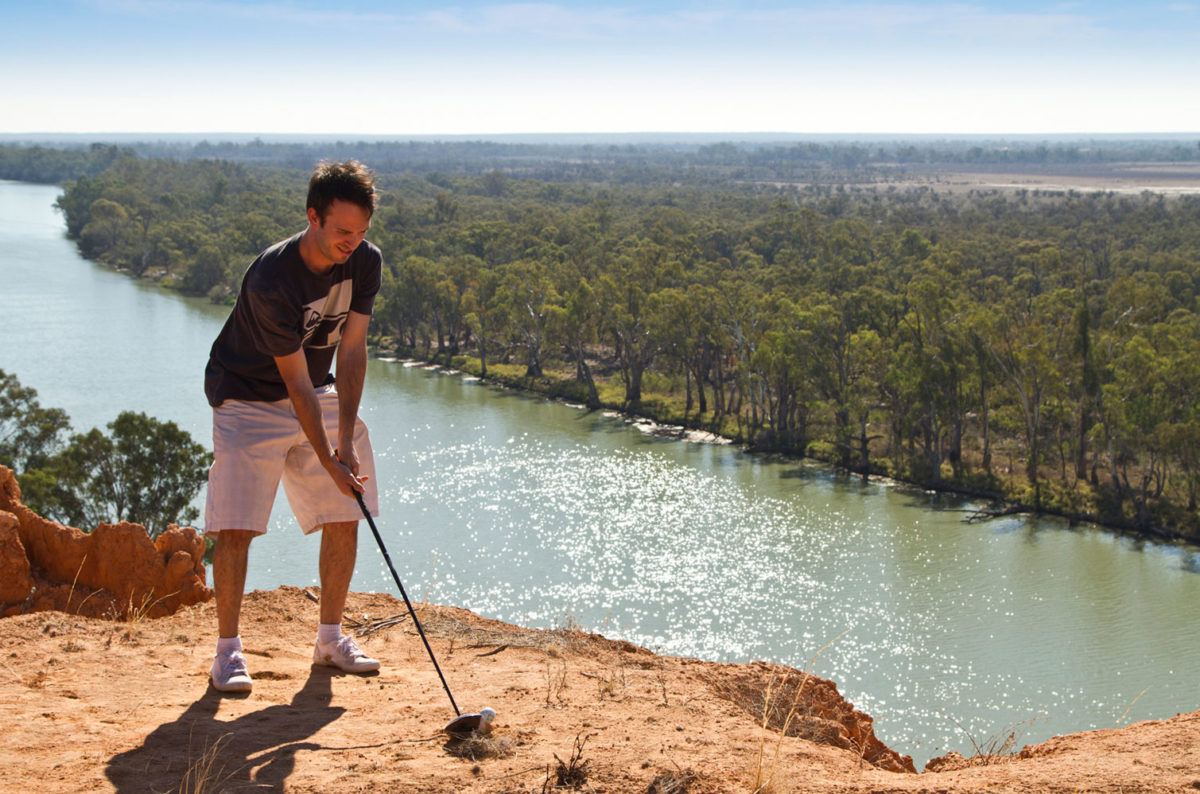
(690, 160)
(643, 163)
(49, 165)
(1043, 348)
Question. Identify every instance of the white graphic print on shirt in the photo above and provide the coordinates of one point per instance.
(324, 317)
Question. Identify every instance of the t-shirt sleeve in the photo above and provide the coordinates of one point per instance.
(366, 284)
(273, 324)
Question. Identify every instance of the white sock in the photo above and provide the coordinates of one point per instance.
(329, 632)
(227, 644)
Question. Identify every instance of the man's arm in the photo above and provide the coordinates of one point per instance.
(294, 370)
(351, 372)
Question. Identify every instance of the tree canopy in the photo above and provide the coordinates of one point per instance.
(142, 470)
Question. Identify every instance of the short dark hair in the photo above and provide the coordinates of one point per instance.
(349, 181)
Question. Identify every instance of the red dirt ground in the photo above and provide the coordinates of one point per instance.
(96, 705)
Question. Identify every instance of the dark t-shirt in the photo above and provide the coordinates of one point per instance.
(282, 307)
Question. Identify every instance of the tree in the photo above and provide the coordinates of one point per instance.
(494, 183)
(869, 366)
(1029, 346)
(109, 224)
(626, 299)
(577, 324)
(144, 471)
(527, 297)
(480, 313)
(1150, 413)
(934, 352)
(205, 273)
(29, 433)
(779, 378)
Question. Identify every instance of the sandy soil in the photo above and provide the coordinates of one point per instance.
(1130, 178)
(95, 705)
(1170, 179)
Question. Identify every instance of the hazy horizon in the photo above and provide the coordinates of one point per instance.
(582, 138)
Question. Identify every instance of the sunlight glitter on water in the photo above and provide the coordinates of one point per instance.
(927, 619)
(685, 560)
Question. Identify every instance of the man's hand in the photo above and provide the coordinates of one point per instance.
(294, 370)
(346, 452)
(345, 473)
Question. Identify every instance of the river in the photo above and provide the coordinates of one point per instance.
(542, 514)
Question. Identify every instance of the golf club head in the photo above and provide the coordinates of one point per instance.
(464, 725)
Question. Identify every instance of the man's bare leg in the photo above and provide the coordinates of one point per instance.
(229, 577)
(229, 672)
(339, 548)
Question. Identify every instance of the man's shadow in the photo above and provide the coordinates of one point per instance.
(255, 751)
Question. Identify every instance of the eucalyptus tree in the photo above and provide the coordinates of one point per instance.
(1029, 343)
(933, 346)
(684, 324)
(29, 433)
(781, 379)
(625, 294)
(481, 312)
(1151, 414)
(577, 322)
(527, 296)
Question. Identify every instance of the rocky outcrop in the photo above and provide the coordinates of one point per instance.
(798, 704)
(115, 571)
(16, 580)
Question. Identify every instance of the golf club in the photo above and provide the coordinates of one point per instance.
(463, 724)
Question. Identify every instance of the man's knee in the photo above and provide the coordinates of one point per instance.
(234, 539)
(341, 528)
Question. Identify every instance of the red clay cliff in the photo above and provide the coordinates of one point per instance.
(111, 571)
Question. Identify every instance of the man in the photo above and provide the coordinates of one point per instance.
(277, 414)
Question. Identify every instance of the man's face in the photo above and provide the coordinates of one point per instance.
(341, 231)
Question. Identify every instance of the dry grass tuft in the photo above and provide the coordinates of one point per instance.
(677, 782)
(993, 748)
(137, 611)
(71, 592)
(571, 774)
(203, 775)
(611, 683)
(366, 625)
(764, 778)
(556, 683)
(477, 747)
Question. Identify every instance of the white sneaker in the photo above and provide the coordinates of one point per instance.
(229, 673)
(344, 655)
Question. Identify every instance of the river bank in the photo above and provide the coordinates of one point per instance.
(666, 421)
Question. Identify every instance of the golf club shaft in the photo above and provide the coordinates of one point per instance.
(407, 603)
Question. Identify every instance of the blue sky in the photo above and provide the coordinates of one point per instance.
(505, 67)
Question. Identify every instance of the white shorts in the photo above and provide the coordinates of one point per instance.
(255, 444)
